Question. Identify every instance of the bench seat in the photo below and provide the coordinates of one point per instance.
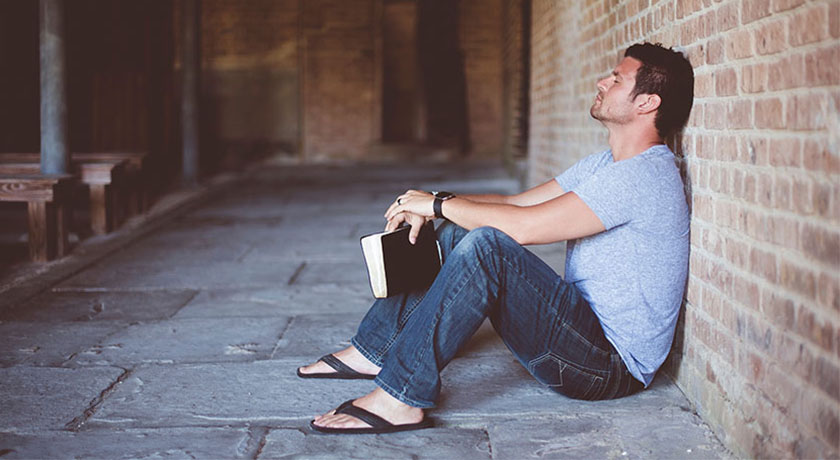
(48, 202)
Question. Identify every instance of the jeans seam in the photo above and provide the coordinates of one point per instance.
(361, 348)
(446, 302)
(401, 396)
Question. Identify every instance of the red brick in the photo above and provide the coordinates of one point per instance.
(782, 194)
(715, 51)
(797, 278)
(834, 19)
(726, 148)
(828, 289)
(749, 188)
(739, 44)
(765, 190)
(739, 114)
(784, 5)
(757, 151)
(820, 415)
(783, 231)
(737, 253)
(784, 152)
(754, 9)
(809, 25)
(827, 376)
(820, 333)
(786, 73)
(753, 78)
(779, 387)
(704, 85)
(803, 196)
(763, 263)
(777, 309)
(715, 115)
(794, 357)
(726, 82)
(746, 292)
(816, 157)
(770, 37)
(805, 112)
(821, 67)
(727, 16)
(769, 113)
(821, 244)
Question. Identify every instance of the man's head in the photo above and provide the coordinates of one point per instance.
(650, 81)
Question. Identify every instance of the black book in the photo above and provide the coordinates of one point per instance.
(395, 265)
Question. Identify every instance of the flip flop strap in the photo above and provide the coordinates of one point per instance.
(370, 418)
(337, 364)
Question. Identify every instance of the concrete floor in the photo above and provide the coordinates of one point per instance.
(179, 338)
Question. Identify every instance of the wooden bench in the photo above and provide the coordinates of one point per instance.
(136, 189)
(100, 176)
(133, 189)
(48, 201)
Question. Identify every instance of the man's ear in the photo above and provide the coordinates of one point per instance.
(647, 103)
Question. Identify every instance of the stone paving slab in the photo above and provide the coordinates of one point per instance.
(433, 443)
(342, 273)
(312, 336)
(34, 399)
(188, 340)
(121, 274)
(231, 394)
(99, 306)
(281, 301)
(35, 344)
(625, 435)
(176, 443)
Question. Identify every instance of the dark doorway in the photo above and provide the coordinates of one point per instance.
(403, 120)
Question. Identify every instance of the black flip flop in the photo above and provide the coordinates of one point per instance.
(378, 425)
(342, 371)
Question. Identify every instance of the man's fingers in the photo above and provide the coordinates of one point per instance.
(416, 224)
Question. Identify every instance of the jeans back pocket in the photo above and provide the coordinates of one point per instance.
(565, 377)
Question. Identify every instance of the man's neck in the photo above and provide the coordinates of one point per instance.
(629, 141)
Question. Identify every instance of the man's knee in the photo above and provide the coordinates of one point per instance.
(484, 238)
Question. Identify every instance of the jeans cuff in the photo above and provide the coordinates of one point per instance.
(401, 396)
(363, 350)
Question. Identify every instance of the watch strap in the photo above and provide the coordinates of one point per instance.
(438, 207)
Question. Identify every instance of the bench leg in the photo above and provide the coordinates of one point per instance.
(101, 215)
(42, 231)
(63, 220)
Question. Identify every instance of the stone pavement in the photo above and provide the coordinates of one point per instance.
(184, 343)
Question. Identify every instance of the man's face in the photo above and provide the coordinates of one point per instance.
(614, 103)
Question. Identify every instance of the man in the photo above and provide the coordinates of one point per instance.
(600, 333)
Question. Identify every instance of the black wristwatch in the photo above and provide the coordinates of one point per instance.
(440, 197)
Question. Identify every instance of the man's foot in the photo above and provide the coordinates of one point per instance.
(382, 405)
(350, 356)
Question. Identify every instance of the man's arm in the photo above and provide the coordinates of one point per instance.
(562, 218)
(539, 194)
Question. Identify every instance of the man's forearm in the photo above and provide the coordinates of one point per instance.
(488, 198)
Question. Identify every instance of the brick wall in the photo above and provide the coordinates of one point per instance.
(481, 44)
(341, 69)
(514, 83)
(758, 346)
(250, 78)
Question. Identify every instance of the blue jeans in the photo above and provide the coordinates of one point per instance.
(543, 320)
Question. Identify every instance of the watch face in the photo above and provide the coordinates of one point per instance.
(443, 195)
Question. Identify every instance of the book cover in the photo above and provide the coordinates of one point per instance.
(395, 265)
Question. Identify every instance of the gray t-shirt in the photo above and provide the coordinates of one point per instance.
(633, 274)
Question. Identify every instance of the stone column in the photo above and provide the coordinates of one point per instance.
(190, 62)
(55, 152)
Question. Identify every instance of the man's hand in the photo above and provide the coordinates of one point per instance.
(414, 202)
(414, 220)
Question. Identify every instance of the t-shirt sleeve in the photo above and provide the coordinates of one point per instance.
(609, 194)
(579, 171)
